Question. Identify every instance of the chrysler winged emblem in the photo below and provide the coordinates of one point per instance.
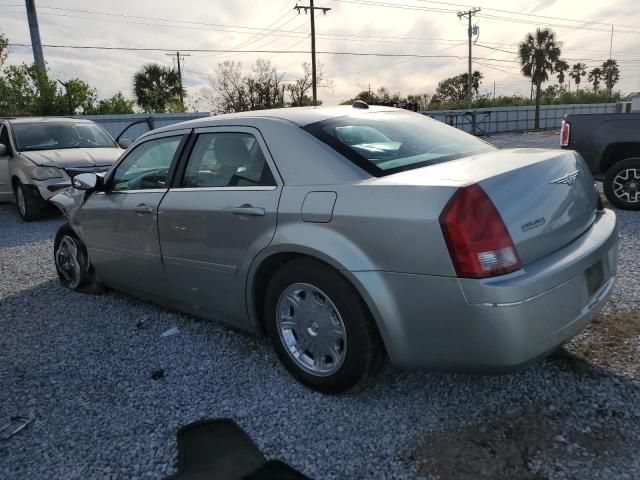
(568, 179)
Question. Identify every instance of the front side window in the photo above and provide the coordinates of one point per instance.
(226, 160)
(4, 138)
(60, 135)
(383, 143)
(147, 166)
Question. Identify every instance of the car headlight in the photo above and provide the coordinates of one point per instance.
(45, 173)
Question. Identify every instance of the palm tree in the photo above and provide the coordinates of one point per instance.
(157, 87)
(539, 53)
(560, 68)
(578, 71)
(611, 74)
(594, 77)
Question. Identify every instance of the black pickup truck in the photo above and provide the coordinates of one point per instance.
(610, 143)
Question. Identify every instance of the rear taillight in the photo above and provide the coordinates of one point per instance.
(565, 133)
(478, 241)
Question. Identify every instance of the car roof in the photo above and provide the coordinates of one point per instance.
(300, 116)
(20, 120)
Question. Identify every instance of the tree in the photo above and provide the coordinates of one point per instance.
(594, 77)
(26, 90)
(114, 105)
(454, 89)
(610, 74)
(79, 97)
(156, 88)
(539, 53)
(4, 48)
(300, 88)
(231, 91)
(578, 71)
(560, 68)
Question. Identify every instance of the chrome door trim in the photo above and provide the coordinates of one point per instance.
(121, 192)
(224, 189)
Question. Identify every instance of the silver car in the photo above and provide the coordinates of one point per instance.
(38, 155)
(349, 233)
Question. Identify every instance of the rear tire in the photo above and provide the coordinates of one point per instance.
(320, 328)
(28, 201)
(72, 262)
(622, 184)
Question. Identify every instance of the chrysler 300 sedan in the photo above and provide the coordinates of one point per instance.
(347, 234)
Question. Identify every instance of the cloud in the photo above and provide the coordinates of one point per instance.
(347, 27)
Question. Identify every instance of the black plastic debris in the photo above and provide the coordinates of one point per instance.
(220, 450)
(157, 374)
(14, 425)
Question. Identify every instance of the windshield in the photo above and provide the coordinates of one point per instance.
(54, 136)
(383, 143)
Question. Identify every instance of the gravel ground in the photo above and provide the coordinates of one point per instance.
(82, 366)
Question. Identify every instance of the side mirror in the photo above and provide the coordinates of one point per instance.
(124, 143)
(3, 150)
(86, 181)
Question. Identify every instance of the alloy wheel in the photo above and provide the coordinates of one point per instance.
(67, 261)
(626, 185)
(311, 329)
(22, 204)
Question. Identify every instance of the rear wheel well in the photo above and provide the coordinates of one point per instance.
(267, 269)
(617, 152)
(261, 279)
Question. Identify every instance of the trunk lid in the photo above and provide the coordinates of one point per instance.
(543, 202)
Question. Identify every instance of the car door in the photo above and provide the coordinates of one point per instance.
(6, 192)
(119, 225)
(220, 212)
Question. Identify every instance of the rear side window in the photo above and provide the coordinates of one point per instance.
(226, 160)
(383, 143)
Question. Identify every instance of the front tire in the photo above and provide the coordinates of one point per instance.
(320, 328)
(72, 262)
(622, 184)
(28, 201)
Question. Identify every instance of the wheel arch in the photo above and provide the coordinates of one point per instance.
(268, 263)
(617, 152)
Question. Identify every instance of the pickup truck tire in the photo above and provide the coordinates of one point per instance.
(622, 184)
(28, 202)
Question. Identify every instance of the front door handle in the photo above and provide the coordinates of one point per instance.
(144, 208)
(247, 209)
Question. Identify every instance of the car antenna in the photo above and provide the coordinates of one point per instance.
(360, 104)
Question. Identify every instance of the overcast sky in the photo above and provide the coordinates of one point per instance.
(351, 26)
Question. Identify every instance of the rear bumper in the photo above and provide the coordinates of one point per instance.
(496, 324)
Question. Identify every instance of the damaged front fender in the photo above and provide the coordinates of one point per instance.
(69, 201)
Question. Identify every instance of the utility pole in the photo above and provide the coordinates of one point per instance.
(178, 55)
(611, 43)
(469, 14)
(36, 45)
(311, 8)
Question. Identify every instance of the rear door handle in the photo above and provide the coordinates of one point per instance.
(144, 208)
(247, 209)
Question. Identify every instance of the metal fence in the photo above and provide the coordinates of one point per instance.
(483, 121)
(142, 122)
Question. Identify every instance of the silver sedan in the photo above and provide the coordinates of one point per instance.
(347, 234)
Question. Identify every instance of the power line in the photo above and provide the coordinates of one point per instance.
(221, 50)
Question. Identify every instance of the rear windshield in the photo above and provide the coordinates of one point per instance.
(383, 143)
(60, 135)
